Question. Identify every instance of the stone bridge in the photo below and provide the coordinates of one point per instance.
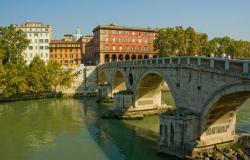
(207, 94)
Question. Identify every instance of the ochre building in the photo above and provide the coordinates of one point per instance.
(66, 51)
(116, 43)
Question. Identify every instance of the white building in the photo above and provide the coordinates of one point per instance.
(39, 36)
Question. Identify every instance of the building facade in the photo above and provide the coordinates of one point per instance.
(84, 40)
(114, 43)
(39, 36)
(66, 51)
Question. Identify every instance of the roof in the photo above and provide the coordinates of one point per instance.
(116, 27)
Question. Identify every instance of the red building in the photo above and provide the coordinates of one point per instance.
(114, 43)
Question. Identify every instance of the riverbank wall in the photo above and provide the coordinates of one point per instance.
(84, 84)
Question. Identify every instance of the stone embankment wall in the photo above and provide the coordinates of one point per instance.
(84, 82)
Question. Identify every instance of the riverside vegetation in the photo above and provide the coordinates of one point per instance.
(17, 78)
(180, 42)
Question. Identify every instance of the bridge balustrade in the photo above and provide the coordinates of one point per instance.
(232, 65)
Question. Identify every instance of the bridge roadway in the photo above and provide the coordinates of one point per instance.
(207, 94)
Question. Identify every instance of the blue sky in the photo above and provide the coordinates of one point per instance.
(214, 17)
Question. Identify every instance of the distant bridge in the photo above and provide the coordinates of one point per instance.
(207, 94)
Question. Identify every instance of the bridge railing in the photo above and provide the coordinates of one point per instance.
(234, 65)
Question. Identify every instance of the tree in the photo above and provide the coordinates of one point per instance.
(14, 79)
(66, 79)
(54, 75)
(37, 76)
(13, 43)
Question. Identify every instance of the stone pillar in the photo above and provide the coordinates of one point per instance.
(178, 134)
(103, 91)
(123, 101)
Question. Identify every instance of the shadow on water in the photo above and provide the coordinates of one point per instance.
(72, 129)
(118, 139)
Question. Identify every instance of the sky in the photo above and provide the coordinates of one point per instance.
(217, 18)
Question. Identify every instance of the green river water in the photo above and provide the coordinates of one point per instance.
(71, 129)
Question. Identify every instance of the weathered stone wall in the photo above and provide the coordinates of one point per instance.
(85, 80)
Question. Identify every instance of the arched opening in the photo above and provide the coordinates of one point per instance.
(118, 82)
(102, 79)
(154, 56)
(127, 57)
(139, 56)
(145, 56)
(218, 120)
(106, 58)
(152, 92)
(120, 57)
(133, 57)
(114, 57)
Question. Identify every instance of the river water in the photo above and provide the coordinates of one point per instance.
(71, 129)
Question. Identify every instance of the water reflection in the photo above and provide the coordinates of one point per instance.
(72, 129)
(30, 126)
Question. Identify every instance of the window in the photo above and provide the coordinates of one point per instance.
(113, 48)
(106, 39)
(139, 40)
(120, 48)
(146, 34)
(47, 55)
(113, 39)
(139, 48)
(120, 39)
(133, 48)
(145, 48)
(66, 61)
(127, 40)
(133, 40)
(30, 47)
(35, 34)
(127, 48)
(139, 33)
(120, 32)
(71, 61)
(41, 47)
(133, 33)
(40, 40)
(41, 55)
(47, 47)
(113, 31)
(146, 41)
(46, 41)
(106, 48)
(71, 55)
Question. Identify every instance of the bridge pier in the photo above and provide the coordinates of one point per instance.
(103, 91)
(180, 133)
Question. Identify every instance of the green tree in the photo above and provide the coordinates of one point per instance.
(14, 79)
(13, 43)
(38, 76)
(66, 79)
(54, 75)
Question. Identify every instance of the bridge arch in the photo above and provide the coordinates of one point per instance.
(149, 91)
(218, 118)
(118, 82)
